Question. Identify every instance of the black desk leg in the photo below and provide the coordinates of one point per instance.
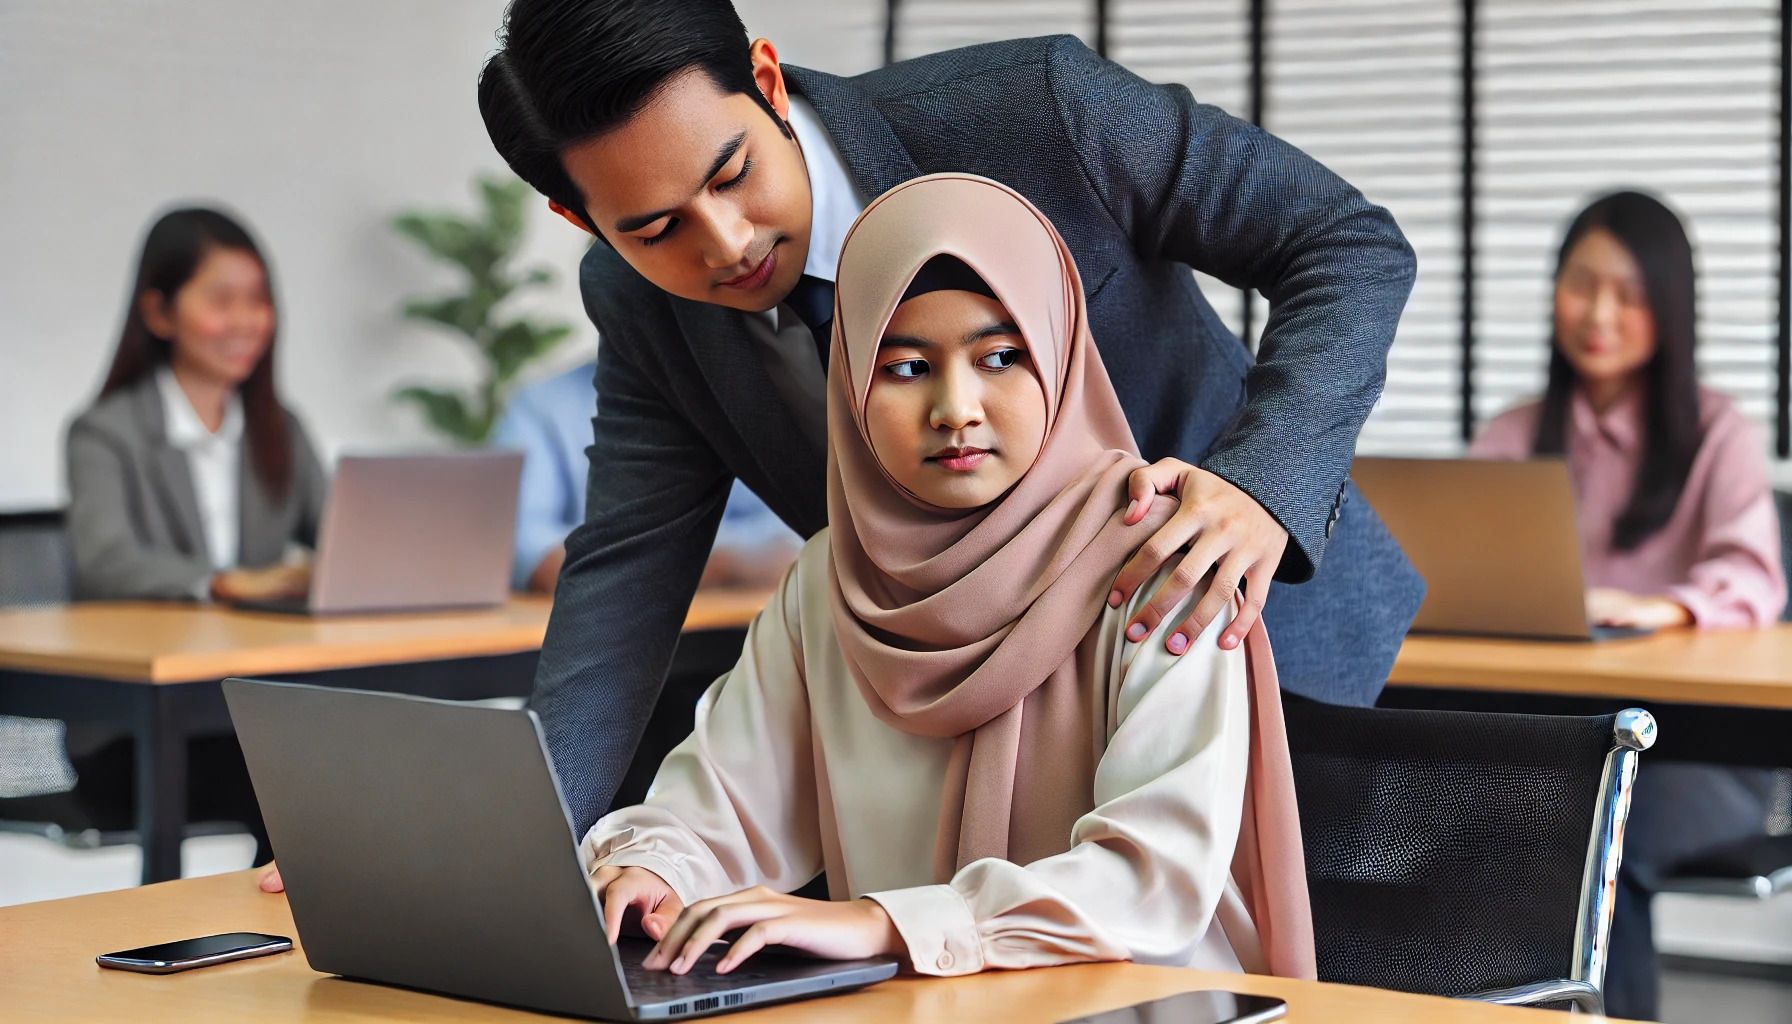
(161, 783)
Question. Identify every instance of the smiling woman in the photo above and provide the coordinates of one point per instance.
(188, 478)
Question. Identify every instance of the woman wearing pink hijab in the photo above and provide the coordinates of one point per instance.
(939, 708)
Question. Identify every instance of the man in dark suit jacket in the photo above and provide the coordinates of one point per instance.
(720, 183)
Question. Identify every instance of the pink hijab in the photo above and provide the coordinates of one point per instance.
(980, 624)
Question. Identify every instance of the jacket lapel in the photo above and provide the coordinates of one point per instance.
(732, 361)
(877, 161)
(173, 476)
(875, 157)
(262, 523)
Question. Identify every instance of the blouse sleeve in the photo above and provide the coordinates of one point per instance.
(1148, 866)
(1736, 579)
(734, 805)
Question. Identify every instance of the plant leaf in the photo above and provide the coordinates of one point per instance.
(521, 341)
(506, 205)
(446, 411)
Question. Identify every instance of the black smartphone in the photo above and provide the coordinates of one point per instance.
(1208, 1006)
(187, 954)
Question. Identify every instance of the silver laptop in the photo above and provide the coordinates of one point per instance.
(425, 843)
(1495, 541)
(413, 533)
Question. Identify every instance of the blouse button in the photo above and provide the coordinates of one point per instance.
(945, 961)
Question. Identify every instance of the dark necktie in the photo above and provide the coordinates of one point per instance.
(813, 301)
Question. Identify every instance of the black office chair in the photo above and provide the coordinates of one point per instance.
(35, 564)
(35, 568)
(1464, 853)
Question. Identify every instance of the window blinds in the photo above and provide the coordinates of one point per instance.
(1672, 98)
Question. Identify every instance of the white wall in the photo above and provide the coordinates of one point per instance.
(317, 121)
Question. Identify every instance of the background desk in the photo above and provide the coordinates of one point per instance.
(155, 669)
(1723, 697)
(48, 950)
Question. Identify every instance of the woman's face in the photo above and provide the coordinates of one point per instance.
(1604, 325)
(220, 323)
(956, 413)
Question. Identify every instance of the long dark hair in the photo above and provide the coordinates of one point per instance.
(172, 251)
(1657, 241)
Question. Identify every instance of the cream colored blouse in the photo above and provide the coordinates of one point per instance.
(1145, 874)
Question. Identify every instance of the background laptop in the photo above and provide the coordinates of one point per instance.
(1495, 542)
(413, 532)
(425, 843)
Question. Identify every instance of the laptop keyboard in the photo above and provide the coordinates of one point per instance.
(654, 986)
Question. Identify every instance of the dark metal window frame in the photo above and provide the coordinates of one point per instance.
(1259, 16)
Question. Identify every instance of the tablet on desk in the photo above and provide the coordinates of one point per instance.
(1207, 1006)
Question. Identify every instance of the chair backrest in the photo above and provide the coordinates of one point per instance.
(36, 566)
(1447, 850)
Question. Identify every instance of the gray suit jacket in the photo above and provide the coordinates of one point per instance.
(133, 515)
(1143, 183)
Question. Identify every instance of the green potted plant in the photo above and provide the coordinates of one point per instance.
(483, 249)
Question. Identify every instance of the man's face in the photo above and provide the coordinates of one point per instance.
(702, 192)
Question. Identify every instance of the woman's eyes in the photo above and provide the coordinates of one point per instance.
(997, 361)
(1000, 359)
(732, 183)
(907, 369)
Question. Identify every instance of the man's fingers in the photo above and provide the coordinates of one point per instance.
(1256, 595)
(1176, 533)
(1174, 590)
(1220, 592)
(1140, 489)
(270, 880)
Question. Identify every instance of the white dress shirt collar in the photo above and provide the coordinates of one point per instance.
(834, 202)
(184, 428)
(214, 460)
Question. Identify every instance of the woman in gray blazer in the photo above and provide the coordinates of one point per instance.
(187, 477)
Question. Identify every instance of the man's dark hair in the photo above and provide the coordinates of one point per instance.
(569, 70)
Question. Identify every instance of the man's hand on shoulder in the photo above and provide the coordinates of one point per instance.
(1224, 530)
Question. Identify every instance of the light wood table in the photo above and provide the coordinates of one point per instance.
(48, 950)
(154, 668)
(1719, 696)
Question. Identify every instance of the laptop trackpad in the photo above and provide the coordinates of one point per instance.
(762, 968)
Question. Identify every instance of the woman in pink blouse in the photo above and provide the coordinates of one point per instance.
(1675, 513)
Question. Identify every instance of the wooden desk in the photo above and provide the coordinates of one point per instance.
(48, 949)
(155, 669)
(1719, 696)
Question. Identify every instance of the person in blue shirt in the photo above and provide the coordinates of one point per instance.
(550, 422)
